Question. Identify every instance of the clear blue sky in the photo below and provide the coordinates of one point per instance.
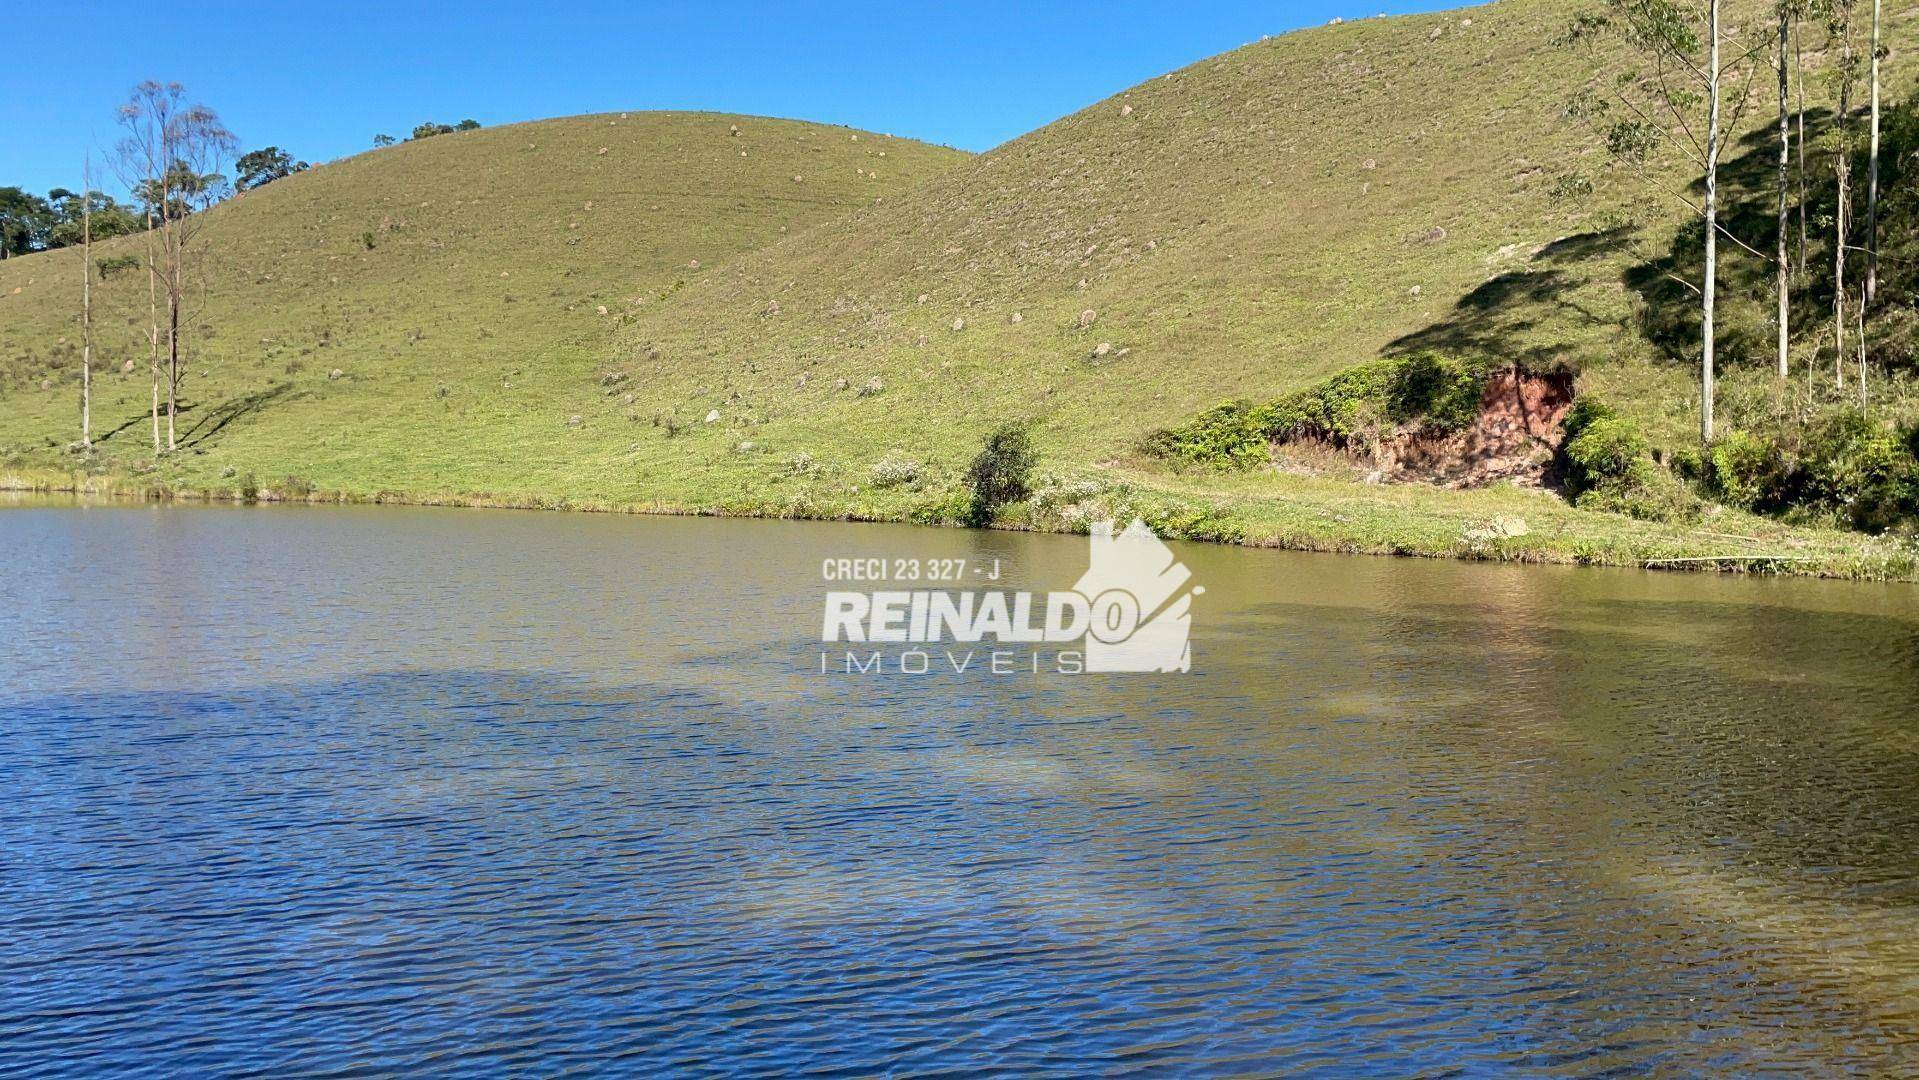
(320, 78)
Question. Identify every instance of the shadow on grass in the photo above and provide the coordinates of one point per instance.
(1496, 319)
(230, 410)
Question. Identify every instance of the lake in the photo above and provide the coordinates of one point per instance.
(355, 789)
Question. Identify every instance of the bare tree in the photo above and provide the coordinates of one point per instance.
(86, 304)
(1783, 271)
(1799, 85)
(1872, 185)
(1656, 108)
(1841, 27)
(171, 157)
(1709, 290)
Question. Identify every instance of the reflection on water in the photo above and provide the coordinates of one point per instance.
(364, 789)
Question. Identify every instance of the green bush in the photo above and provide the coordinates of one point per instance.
(1226, 434)
(1607, 464)
(1603, 450)
(1000, 475)
(1865, 474)
(1440, 393)
(1748, 471)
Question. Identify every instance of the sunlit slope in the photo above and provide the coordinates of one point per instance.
(414, 317)
(1239, 226)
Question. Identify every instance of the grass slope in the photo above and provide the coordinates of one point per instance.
(1237, 228)
(461, 286)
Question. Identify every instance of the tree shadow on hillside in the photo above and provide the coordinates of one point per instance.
(1745, 328)
(1500, 318)
(230, 410)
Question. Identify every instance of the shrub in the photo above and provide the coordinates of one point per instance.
(1863, 472)
(894, 471)
(1603, 450)
(1607, 465)
(1438, 392)
(1748, 471)
(1000, 474)
(1226, 435)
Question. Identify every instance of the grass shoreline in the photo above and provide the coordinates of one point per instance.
(1593, 542)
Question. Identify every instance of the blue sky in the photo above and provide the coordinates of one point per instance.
(320, 79)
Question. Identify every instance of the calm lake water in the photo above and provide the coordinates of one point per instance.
(350, 790)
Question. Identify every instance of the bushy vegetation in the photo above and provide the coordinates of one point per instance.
(1000, 474)
(1841, 467)
(1426, 389)
(1607, 464)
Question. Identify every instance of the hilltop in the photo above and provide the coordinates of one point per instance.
(1240, 228)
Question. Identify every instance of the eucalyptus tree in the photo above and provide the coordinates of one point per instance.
(1670, 98)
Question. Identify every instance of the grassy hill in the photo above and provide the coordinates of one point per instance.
(1238, 228)
(460, 286)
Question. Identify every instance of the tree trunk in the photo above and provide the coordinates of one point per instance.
(1872, 190)
(153, 331)
(1842, 176)
(86, 316)
(1784, 269)
(1799, 74)
(1712, 233)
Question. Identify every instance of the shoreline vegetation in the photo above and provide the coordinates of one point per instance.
(1499, 524)
(1256, 300)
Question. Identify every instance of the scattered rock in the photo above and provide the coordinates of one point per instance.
(1102, 349)
(612, 378)
(1415, 290)
(713, 416)
(873, 386)
(601, 309)
(1126, 110)
(600, 152)
(1435, 234)
(839, 384)
(1437, 31)
(923, 299)
(798, 178)
(573, 421)
(734, 131)
(1369, 163)
(801, 381)
(772, 308)
(336, 373)
(46, 384)
(126, 368)
(1016, 319)
(1465, 22)
(958, 325)
(1087, 318)
(1082, 285)
(626, 399)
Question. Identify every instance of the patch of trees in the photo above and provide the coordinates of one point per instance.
(1678, 102)
(427, 130)
(30, 222)
(263, 166)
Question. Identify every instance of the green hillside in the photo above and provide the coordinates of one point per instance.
(1239, 228)
(460, 286)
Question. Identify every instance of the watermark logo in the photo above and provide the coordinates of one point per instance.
(1131, 611)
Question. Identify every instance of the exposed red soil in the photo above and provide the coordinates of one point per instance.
(1515, 437)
